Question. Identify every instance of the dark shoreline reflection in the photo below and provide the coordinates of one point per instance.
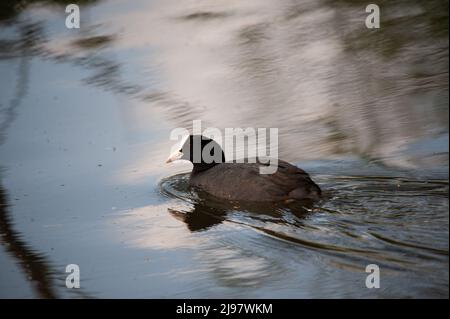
(11, 9)
(34, 265)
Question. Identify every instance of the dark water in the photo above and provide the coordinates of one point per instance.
(85, 117)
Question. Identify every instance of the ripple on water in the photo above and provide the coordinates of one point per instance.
(400, 223)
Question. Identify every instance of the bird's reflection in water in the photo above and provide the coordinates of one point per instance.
(208, 212)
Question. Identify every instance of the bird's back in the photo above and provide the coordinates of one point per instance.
(243, 181)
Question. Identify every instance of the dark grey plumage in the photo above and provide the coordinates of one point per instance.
(243, 181)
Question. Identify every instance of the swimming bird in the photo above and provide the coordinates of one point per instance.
(242, 181)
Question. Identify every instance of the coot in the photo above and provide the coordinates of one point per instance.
(242, 181)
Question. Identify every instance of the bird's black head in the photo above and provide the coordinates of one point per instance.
(201, 151)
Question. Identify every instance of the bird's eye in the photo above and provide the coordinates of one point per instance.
(180, 150)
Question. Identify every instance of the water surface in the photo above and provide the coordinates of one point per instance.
(85, 117)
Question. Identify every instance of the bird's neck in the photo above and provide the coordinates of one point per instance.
(201, 167)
